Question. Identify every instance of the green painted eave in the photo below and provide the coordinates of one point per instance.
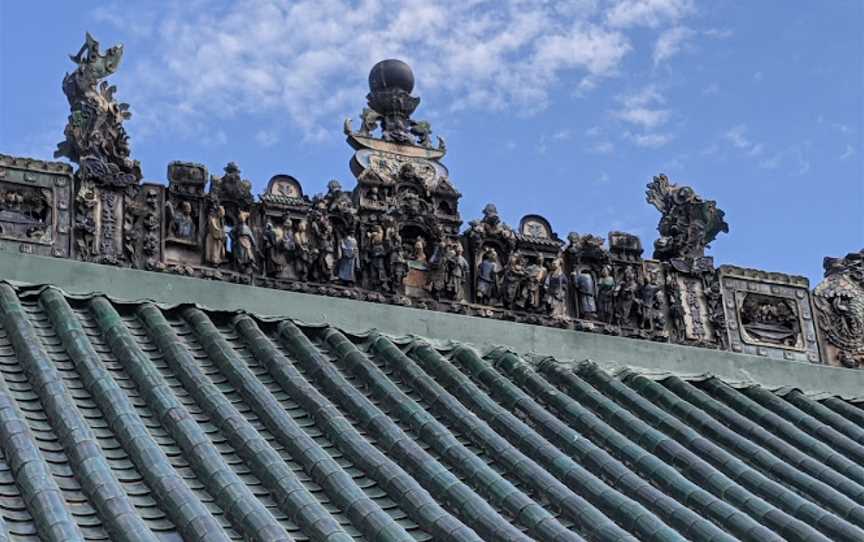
(130, 285)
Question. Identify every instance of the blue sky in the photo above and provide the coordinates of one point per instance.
(566, 109)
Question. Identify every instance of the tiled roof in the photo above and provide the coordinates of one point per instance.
(132, 421)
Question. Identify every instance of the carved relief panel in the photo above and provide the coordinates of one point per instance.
(185, 212)
(689, 310)
(35, 199)
(142, 225)
(769, 314)
(654, 308)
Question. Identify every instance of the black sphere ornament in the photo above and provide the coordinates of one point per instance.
(391, 74)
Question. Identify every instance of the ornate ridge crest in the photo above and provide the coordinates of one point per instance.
(397, 236)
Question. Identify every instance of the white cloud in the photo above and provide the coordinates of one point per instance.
(735, 135)
(648, 95)
(641, 109)
(718, 33)
(267, 138)
(650, 13)
(671, 42)
(649, 140)
(848, 152)
(794, 157)
(601, 147)
(758, 76)
(773, 162)
(711, 90)
(738, 138)
(308, 60)
(644, 117)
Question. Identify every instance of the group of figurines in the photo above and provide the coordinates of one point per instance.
(530, 285)
(311, 249)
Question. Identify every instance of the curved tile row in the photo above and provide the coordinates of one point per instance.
(42, 483)
(526, 467)
(344, 429)
(167, 476)
(73, 415)
(139, 422)
(349, 476)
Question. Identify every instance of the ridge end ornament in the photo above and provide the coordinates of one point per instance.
(95, 137)
(688, 223)
(839, 303)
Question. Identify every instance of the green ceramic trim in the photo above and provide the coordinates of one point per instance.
(849, 412)
(35, 482)
(733, 479)
(216, 398)
(747, 410)
(804, 422)
(827, 416)
(540, 523)
(763, 428)
(504, 420)
(632, 452)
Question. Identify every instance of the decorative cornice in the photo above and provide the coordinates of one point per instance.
(764, 276)
(34, 164)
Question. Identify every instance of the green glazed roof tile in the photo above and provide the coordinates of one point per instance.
(131, 421)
